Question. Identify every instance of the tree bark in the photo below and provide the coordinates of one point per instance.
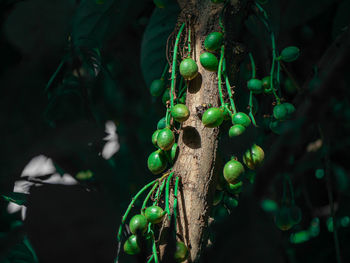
(197, 144)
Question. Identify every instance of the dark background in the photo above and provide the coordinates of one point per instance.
(71, 224)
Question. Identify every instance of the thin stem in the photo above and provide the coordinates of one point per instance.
(182, 87)
(189, 42)
(148, 196)
(173, 68)
(154, 248)
(175, 202)
(291, 190)
(159, 192)
(253, 65)
(219, 75)
(251, 115)
(167, 117)
(150, 259)
(54, 75)
(167, 191)
(165, 71)
(228, 87)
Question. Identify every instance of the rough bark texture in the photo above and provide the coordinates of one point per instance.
(197, 144)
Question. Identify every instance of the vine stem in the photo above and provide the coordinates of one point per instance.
(173, 68)
(252, 62)
(167, 191)
(291, 190)
(222, 52)
(251, 115)
(148, 196)
(189, 42)
(175, 202)
(165, 71)
(54, 75)
(228, 87)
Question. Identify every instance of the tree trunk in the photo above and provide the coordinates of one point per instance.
(197, 144)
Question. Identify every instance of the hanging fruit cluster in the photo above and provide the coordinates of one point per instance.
(156, 205)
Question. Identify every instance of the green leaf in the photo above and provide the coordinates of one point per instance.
(91, 21)
(153, 47)
(17, 198)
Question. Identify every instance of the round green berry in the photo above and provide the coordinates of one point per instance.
(154, 214)
(282, 219)
(236, 130)
(280, 112)
(166, 96)
(209, 61)
(212, 117)
(180, 112)
(161, 123)
(230, 202)
(290, 108)
(188, 69)
(232, 171)
(131, 246)
(157, 87)
(289, 54)
(181, 252)
(255, 85)
(241, 118)
(156, 162)
(254, 157)
(154, 138)
(138, 224)
(266, 83)
(235, 188)
(165, 139)
(213, 41)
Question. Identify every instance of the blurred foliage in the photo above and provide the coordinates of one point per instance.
(99, 45)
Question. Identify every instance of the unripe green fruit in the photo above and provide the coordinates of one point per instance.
(232, 170)
(236, 130)
(131, 246)
(154, 138)
(275, 126)
(290, 108)
(154, 214)
(181, 252)
(282, 219)
(156, 162)
(280, 112)
(254, 157)
(290, 54)
(209, 61)
(188, 69)
(295, 214)
(180, 112)
(255, 85)
(212, 117)
(161, 123)
(159, 3)
(157, 87)
(241, 118)
(230, 202)
(217, 197)
(138, 224)
(266, 82)
(234, 188)
(213, 41)
(165, 139)
(166, 96)
(174, 151)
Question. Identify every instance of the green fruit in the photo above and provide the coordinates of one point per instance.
(230, 202)
(266, 83)
(254, 157)
(290, 108)
(295, 214)
(213, 41)
(280, 112)
(282, 219)
(154, 138)
(159, 3)
(217, 197)
(156, 162)
(181, 252)
(289, 54)
(166, 96)
(165, 139)
(232, 170)
(275, 126)
(154, 214)
(174, 151)
(138, 224)
(255, 85)
(131, 246)
(161, 123)
(180, 112)
(157, 87)
(188, 69)
(212, 117)
(234, 188)
(209, 61)
(236, 130)
(241, 118)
